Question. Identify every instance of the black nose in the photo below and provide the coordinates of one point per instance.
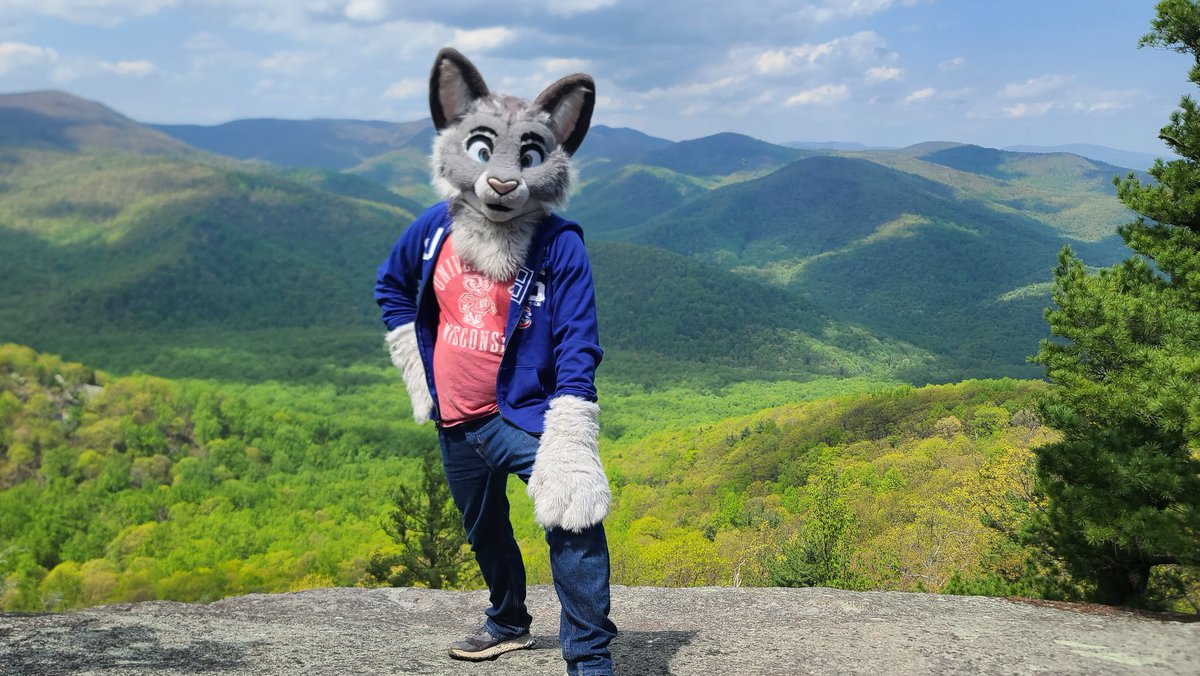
(503, 187)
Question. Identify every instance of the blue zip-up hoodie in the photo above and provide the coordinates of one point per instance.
(551, 344)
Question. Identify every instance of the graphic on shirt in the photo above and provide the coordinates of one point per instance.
(472, 317)
(476, 302)
(474, 308)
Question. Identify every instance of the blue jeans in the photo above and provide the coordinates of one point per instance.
(478, 457)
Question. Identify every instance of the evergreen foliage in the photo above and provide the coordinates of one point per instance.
(820, 556)
(1123, 483)
(426, 525)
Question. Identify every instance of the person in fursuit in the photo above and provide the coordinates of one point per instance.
(491, 318)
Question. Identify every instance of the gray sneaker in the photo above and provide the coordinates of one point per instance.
(483, 646)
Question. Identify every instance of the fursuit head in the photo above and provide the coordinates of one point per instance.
(502, 162)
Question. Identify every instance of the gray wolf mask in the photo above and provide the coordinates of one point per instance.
(502, 162)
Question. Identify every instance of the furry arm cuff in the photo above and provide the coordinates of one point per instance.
(568, 485)
(406, 356)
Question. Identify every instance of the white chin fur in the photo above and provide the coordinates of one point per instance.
(568, 484)
(495, 249)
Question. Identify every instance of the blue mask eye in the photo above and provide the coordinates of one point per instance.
(531, 156)
(479, 148)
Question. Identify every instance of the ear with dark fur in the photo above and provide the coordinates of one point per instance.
(453, 85)
(569, 102)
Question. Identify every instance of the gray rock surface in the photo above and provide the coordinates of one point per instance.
(663, 631)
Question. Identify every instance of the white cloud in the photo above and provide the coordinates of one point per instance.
(883, 74)
(1065, 99)
(693, 90)
(482, 39)
(825, 94)
(290, 63)
(88, 12)
(952, 64)
(1035, 87)
(573, 7)
(559, 65)
(14, 55)
(300, 65)
(772, 62)
(130, 68)
(862, 46)
(920, 95)
(1101, 102)
(406, 88)
(1099, 106)
(347, 40)
(204, 41)
(537, 75)
(832, 10)
(366, 10)
(1026, 110)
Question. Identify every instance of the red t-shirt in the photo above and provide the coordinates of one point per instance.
(470, 338)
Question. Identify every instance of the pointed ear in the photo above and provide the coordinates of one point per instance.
(454, 84)
(569, 102)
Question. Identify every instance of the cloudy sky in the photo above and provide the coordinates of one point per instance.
(881, 72)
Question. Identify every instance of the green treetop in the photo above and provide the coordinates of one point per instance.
(1124, 482)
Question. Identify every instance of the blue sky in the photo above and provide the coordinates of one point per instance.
(881, 72)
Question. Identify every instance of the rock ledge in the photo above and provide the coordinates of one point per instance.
(663, 631)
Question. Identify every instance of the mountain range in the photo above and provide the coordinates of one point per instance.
(1121, 158)
(925, 263)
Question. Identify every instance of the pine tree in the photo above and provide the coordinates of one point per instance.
(1124, 482)
(820, 555)
(428, 527)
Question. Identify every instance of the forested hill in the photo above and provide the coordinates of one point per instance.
(940, 250)
(323, 144)
(680, 312)
(153, 260)
(138, 488)
(899, 253)
(103, 238)
(125, 489)
(52, 120)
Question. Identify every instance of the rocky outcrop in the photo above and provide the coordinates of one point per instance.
(663, 631)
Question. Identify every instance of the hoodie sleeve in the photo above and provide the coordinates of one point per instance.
(398, 279)
(577, 350)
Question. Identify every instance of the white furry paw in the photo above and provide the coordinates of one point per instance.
(568, 485)
(406, 356)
